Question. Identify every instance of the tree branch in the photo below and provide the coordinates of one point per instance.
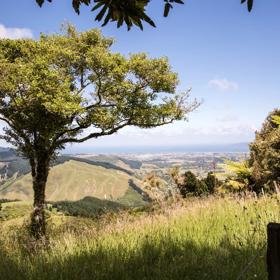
(92, 135)
(6, 121)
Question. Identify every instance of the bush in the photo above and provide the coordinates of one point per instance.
(265, 153)
(211, 182)
(190, 184)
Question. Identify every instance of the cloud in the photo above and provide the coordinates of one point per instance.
(223, 84)
(14, 33)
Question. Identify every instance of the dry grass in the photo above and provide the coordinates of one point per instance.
(211, 238)
(81, 178)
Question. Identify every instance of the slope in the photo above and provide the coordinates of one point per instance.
(74, 180)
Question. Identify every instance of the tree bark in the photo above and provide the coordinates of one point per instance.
(40, 170)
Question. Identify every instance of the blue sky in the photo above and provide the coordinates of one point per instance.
(228, 57)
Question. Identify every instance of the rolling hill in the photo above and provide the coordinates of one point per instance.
(74, 179)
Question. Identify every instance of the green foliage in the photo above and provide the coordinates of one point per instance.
(14, 209)
(265, 152)
(262, 170)
(132, 198)
(192, 185)
(211, 182)
(276, 120)
(241, 170)
(189, 184)
(90, 207)
(239, 177)
(129, 12)
(70, 88)
(53, 89)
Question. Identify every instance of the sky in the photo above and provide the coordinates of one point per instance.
(229, 58)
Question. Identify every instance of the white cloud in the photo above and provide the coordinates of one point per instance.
(14, 33)
(223, 84)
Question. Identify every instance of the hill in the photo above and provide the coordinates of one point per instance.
(73, 180)
(13, 166)
(115, 160)
(198, 239)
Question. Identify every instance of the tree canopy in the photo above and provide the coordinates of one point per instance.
(265, 152)
(129, 12)
(69, 88)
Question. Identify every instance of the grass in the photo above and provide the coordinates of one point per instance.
(204, 239)
(89, 207)
(12, 210)
(83, 179)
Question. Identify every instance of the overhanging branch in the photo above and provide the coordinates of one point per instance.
(92, 135)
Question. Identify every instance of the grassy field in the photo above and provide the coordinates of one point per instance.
(81, 178)
(211, 238)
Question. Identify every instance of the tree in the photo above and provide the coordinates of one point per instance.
(192, 185)
(69, 88)
(130, 12)
(265, 152)
(211, 182)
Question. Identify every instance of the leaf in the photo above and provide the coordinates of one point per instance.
(97, 6)
(128, 22)
(149, 20)
(101, 13)
(276, 120)
(77, 3)
(120, 22)
(137, 22)
(167, 8)
(108, 17)
(179, 1)
(40, 2)
(250, 5)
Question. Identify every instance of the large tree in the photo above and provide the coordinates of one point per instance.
(130, 12)
(69, 88)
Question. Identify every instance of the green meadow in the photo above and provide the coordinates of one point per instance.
(211, 238)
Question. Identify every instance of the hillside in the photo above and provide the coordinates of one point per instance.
(12, 165)
(115, 160)
(73, 180)
(191, 240)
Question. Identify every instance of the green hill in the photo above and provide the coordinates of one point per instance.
(115, 160)
(13, 166)
(73, 180)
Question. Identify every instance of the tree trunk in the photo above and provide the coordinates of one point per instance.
(40, 170)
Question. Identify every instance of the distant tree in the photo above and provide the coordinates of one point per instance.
(192, 185)
(211, 182)
(70, 88)
(129, 12)
(265, 152)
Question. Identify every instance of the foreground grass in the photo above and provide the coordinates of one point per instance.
(197, 239)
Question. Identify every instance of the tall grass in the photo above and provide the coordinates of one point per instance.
(198, 239)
